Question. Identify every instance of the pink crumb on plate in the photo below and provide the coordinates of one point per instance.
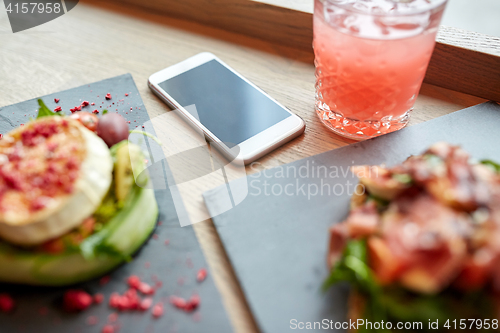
(113, 317)
(146, 303)
(108, 329)
(186, 305)
(146, 289)
(157, 310)
(133, 281)
(76, 300)
(98, 298)
(104, 280)
(201, 275)
(76, 108)
(92, 320)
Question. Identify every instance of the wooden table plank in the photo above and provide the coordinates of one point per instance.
(458, 61)
(467, 65)
(97, 40)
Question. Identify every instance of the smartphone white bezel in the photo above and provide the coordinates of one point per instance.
(250, 149)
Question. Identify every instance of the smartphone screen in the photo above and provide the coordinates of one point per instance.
(227, 106)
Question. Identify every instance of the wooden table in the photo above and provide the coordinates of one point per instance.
(100, 40)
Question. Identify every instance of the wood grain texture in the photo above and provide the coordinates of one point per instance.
(467, 62)
(464, 61)
(277, 24)
(98, 40)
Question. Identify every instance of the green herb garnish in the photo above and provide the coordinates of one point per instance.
(492, 164)
(394, 303)
(402, 178)
(353, 268)
(44, 111)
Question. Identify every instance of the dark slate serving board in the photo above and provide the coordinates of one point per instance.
(176, 264)
(277, 243)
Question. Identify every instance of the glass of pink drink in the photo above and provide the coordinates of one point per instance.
(371, 57)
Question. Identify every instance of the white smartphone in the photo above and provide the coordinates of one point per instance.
(240, 119)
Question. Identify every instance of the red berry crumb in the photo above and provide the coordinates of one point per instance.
(98, 298)
(201, 275)
(108, 96)
(113, 317)
(145, 303)
(6, 303)
(146, 289)
(114, 300)
(92, 320)
(188, 305)
(58, 109)
(76, 300)
(76, 108)
(104, 280)
(56, 100)
(157, 310)
(108, 329)
(95, 111)
(1, 136)
(178, 302)
(133, 281)
(133, 299)
(128, 301)
(126, 94)
(193, 303)
(85, 103)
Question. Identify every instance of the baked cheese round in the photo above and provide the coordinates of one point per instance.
(54, 173)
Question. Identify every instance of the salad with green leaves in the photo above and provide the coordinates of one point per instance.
(420, 243)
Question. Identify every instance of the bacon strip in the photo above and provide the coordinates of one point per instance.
(441, 228)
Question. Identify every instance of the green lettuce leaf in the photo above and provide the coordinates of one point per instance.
(394, 303)
(492, 164)
(353, 268)
(44, 111)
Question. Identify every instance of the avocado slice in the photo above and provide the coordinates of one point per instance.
(129, 164)
(124, 233)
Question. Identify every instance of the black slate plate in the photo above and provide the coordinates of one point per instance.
(176, 264)
(277, 243)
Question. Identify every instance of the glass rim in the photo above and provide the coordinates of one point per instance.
(411, 13)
